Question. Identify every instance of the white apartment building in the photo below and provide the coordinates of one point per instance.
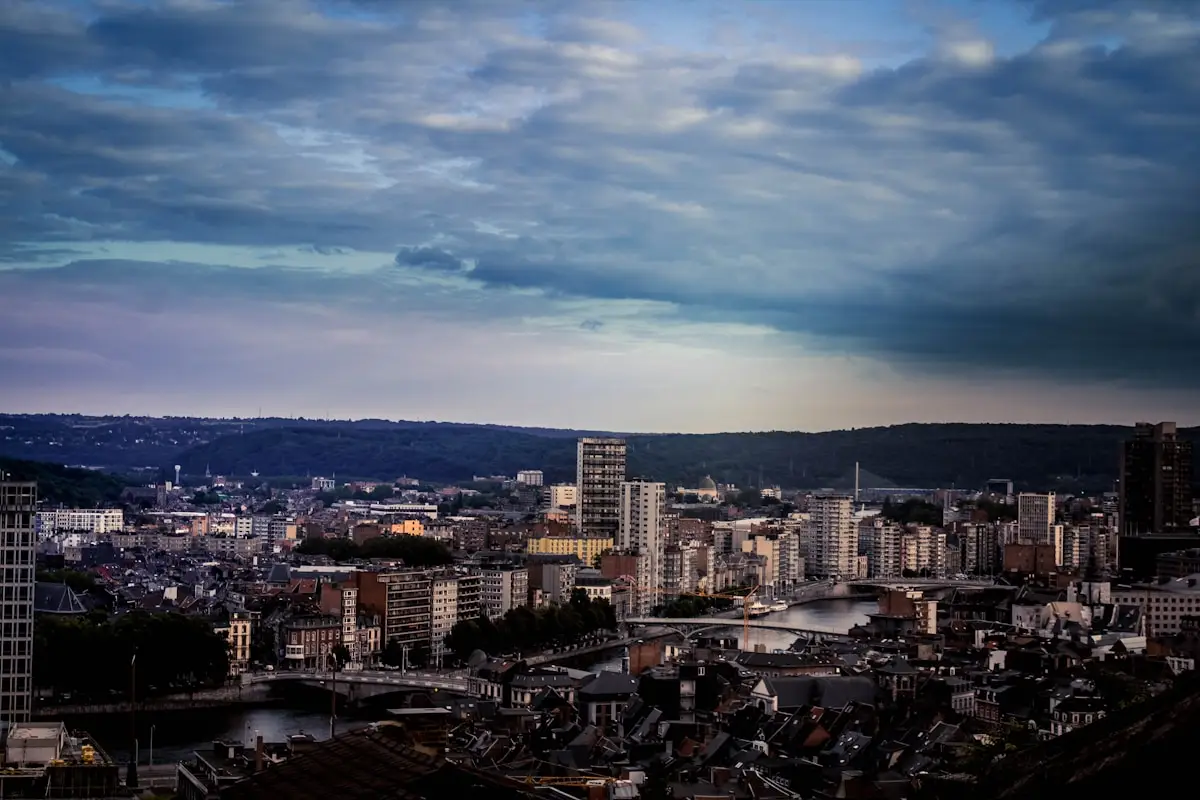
(642, 529)
(833, 542)
(923, 552)
(882, 543)
(91, 520)
(504, 588)
(563, 495)
(531, 477)
(445, 608)
(600, 471)
(1035, 518)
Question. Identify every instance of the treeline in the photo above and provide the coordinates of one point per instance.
(524, 628)
(415, 551)
(693, 606)
(66, 486)
(92, 656)
(1035, 457)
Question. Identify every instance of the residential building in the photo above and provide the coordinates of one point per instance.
(18, 505)
(642, 530)
(403, 599)
(883, 547)
(341, 600)
(444, 609)
(1156, 481)
(600, 471)
(504, 587)
(308, 642)
(237, 631)
(585, 548)
(531, 477)
(1035, 518)
(563, 495)
(923, 552)
(96, 521)
(833, 539)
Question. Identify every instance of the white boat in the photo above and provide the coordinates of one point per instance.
(759, 610)
(779, 605)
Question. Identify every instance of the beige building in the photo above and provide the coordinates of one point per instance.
(586, 548)
(237, 633)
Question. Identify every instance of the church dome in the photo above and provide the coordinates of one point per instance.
(708, 484)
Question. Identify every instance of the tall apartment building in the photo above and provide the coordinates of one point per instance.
(642, 529)
(1035, 518)
(833, 540)
(444, 607)
(97, 521)
(18, 505)
(923, 552)
(600, 471)
(881, 539)
(531, 477)
(1156, 481)
(404, 601)
(504, 588)
(271, 531)
(980, 548)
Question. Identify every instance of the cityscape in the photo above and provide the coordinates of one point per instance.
(614, 629)
(599, 399)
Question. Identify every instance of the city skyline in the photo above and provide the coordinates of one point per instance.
(788, 216)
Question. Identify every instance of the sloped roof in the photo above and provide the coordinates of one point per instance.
(371, 764)
(56, 598)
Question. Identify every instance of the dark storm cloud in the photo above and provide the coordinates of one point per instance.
(429, 258)
(1033, 213)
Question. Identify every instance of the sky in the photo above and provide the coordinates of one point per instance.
(647, 215)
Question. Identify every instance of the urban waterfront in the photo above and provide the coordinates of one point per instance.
(177, 734)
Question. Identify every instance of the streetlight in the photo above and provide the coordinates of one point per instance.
(151, 746)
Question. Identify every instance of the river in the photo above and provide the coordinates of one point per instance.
(177, 734)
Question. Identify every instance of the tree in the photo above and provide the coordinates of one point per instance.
(657, 783)
(341, 656)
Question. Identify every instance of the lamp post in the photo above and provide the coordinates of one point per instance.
(333, 693)
(131, 779)
(152, 747)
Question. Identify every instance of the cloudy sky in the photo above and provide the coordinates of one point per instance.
(642, 215)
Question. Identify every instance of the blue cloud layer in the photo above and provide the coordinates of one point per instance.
(1032, 212)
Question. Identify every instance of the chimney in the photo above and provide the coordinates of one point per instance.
(258, 753)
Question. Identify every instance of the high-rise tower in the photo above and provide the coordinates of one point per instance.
(599, 472)
(643, 530)
(1156, 481)
(18, 506)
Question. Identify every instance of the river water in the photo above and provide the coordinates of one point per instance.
(177, 734)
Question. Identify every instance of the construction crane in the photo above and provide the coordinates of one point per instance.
(746, 603)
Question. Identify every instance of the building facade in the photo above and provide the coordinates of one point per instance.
(1035, 518)
(1156, 481)
(642, 530)
(531, 477)
(833, 540)
(600, 471)
(88, 520)
(18, 505)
